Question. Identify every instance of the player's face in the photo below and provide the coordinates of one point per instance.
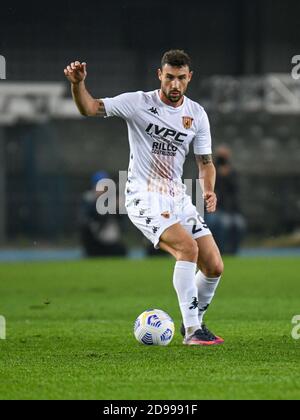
(174, 81)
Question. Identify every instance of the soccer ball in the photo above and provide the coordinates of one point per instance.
(154, 327)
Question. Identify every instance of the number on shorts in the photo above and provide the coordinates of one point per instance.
(196, 222)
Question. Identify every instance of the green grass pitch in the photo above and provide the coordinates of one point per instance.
(70, 332)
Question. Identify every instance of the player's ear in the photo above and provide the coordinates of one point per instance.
(159, 74)
(190, 75)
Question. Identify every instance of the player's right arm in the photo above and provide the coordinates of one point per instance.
(87, 105)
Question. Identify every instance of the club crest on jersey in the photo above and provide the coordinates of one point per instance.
(187, 122)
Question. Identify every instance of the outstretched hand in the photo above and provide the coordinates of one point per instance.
(76, 72)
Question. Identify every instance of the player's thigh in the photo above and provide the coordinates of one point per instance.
(179, 243)
(209, 257)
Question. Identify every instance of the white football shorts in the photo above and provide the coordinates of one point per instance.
(152, 213)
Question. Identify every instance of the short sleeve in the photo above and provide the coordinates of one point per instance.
(202, 139)
(122, 106)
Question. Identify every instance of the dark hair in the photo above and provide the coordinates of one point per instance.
(176, 58)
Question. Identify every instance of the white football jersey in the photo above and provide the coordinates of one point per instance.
(159, 138)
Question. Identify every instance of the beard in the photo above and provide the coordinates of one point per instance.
(173, 98)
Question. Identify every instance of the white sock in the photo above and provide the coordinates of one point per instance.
(206, 290)
(185, 286)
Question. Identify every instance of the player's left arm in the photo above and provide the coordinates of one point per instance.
(207, 178)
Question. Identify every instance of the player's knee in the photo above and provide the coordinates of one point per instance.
(215, 267)
(188, 252)
(218, 268)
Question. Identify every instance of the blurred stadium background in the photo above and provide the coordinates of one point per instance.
(242, 54)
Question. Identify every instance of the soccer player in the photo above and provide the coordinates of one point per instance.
(161, 125)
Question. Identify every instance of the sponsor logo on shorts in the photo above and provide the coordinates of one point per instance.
(136, 201)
